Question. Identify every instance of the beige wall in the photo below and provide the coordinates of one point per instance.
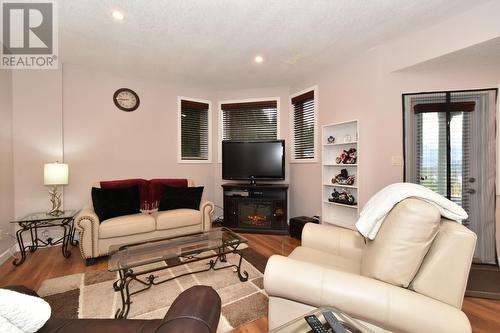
(365, 90)
(102, 142)
(362, 90)
(37, 135)
(69, 114)
(6, 160)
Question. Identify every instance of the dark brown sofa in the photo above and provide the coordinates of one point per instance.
(196, 310)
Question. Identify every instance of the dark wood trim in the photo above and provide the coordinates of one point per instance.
(192, 105)
(249, 105)
(303, 97)
(445, 107)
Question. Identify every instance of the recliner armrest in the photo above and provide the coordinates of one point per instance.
(196, 309)
(87, 223)
(335, 240)
(387, 306)
(206, 209)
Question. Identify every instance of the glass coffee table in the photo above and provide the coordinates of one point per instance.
(127, 260)
(300, 325)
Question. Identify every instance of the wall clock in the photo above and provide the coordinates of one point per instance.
(126, 99)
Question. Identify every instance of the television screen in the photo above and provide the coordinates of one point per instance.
(253, 160)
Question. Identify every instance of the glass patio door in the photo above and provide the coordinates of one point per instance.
(450, 148)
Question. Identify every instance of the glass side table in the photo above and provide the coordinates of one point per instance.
(299, 324)
(33, 222)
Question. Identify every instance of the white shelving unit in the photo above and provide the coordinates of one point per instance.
(346, 136)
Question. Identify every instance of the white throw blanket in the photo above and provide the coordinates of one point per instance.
(20, 313)
(374, 212)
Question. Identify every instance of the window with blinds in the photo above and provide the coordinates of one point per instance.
(194, 136)
(304, 126)
(250, 121)
(442, 145)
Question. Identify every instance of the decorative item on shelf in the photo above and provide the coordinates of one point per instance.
(331, 139)
(344, 197)
(347, 138)
(55, 174)
(347, 157)
(343, 178)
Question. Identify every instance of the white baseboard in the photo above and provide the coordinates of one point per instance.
(15, 248)
(7, 254)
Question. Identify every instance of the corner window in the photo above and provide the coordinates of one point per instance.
(194, 130)
(250, 121)
(304, 126)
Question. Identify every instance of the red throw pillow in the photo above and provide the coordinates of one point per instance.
(144, 192)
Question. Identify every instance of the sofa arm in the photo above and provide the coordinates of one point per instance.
(87, 223)
(207, 210)
(389, 307)
(335, 240)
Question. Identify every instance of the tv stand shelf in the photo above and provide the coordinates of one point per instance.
(259, 208)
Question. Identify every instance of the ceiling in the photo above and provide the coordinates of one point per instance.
(480, 57)
(214, 42)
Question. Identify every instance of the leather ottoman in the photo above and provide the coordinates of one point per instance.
(298, 223)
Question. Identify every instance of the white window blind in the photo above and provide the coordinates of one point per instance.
(250, 121)
(303, 126)
(194, 130)
(430, 141)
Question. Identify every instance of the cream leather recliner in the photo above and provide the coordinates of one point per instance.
(411, 278)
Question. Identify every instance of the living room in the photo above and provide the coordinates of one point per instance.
(362, 64)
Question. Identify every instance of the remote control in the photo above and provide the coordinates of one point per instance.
(315, 324)
(334, 323)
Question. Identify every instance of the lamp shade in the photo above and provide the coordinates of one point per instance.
(55, 174)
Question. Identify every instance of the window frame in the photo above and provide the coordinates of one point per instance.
(250, 100)
(316, 126)
(179, 130)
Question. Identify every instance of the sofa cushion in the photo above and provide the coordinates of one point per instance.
(180, 197)
(402, 242)
(176, 218)
(113, 202)
(143, 185)
(156, 188)
(127, 225)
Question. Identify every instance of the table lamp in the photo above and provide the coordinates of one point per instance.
(55, 174)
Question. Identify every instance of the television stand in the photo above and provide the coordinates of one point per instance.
(256, 208)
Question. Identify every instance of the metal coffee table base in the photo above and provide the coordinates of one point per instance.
(128, 275)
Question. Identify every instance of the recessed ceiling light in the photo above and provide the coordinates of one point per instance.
(259, 59)
(118, 15)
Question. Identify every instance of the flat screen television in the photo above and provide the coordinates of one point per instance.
(262, 160)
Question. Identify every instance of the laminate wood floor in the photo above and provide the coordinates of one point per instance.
(49, 263)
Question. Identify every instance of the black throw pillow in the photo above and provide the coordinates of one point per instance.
(180, 197)
(114, 202)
